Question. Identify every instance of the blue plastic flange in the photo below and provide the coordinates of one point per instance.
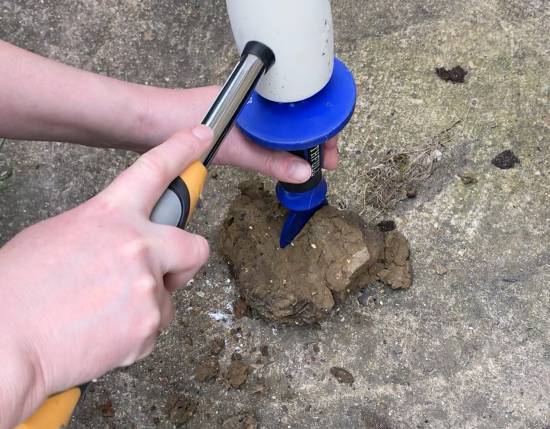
(303, 124)
(298, 126)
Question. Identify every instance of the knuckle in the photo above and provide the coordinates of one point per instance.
(147, 283)
(269, 165)
(202, 250)
(102, 205)
(135, 249)
(151, 323)
(154, 166)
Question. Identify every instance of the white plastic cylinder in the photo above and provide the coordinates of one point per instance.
(299, 32)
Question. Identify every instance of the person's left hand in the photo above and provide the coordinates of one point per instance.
(171, 109)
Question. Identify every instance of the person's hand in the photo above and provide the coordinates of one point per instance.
(101, 111)
(88, 290)
(170, 109)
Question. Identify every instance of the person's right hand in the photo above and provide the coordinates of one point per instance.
(88, 291)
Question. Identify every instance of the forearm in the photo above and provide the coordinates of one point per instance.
(41, 99)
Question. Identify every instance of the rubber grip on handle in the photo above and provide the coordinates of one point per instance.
(175, 207)
(55, 413)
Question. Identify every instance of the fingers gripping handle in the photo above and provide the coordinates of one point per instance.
(56, 412)
(175, 207)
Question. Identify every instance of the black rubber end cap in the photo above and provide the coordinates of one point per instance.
(260, 50)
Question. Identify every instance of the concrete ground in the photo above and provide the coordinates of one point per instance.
(466, 348)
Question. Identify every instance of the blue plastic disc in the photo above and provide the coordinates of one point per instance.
(303, 124)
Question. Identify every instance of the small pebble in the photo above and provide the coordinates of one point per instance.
(440, 269)
(468, 177)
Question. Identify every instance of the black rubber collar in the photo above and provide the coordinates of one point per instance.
(261, 51)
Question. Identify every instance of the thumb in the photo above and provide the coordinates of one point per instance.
(141, 185)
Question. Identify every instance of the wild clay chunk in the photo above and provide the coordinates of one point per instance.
(332, 257)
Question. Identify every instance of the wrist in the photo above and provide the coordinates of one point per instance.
(162, 112)
(21, 383)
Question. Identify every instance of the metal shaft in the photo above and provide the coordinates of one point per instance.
(232, 97)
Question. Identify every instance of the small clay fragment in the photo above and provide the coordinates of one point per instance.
(386, 225)
(397, 272)
(240, 308)
(342, 375)
(216, 346)
(454, 75)
(180, 409)
(237, 373)
(241, 422)
(411, 193)
(505, 160)
(468, 177)
(440, 270)
(335, 255)
(207, 369)
(107, 409)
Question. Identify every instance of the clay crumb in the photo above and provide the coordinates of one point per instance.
(207, 369)
(107, 409)
(240, 422)
(216, 346)
(440, 270)
(342, 375)
(258, 389)
(180, 409)
(240, 308)
(454, 75)
(237, 373)
(505, 160)
(468, 178)
(386, 225)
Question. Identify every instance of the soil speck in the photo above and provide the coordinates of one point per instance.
(237, 373)
(440, 269)
(468, 177)
(240, 308)
(454, 75)
(342, 375)
(386, 225)
(106, 409)
(207, 369)
(505, 160)
(240, 422)
(180, 409)
(216, 346)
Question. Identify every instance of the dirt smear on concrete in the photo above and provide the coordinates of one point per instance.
(334, 256)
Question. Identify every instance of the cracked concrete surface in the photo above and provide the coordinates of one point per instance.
(469, 348)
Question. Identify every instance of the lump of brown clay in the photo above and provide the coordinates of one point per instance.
(335, 255)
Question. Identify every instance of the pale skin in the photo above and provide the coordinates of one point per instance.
(87, 291)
